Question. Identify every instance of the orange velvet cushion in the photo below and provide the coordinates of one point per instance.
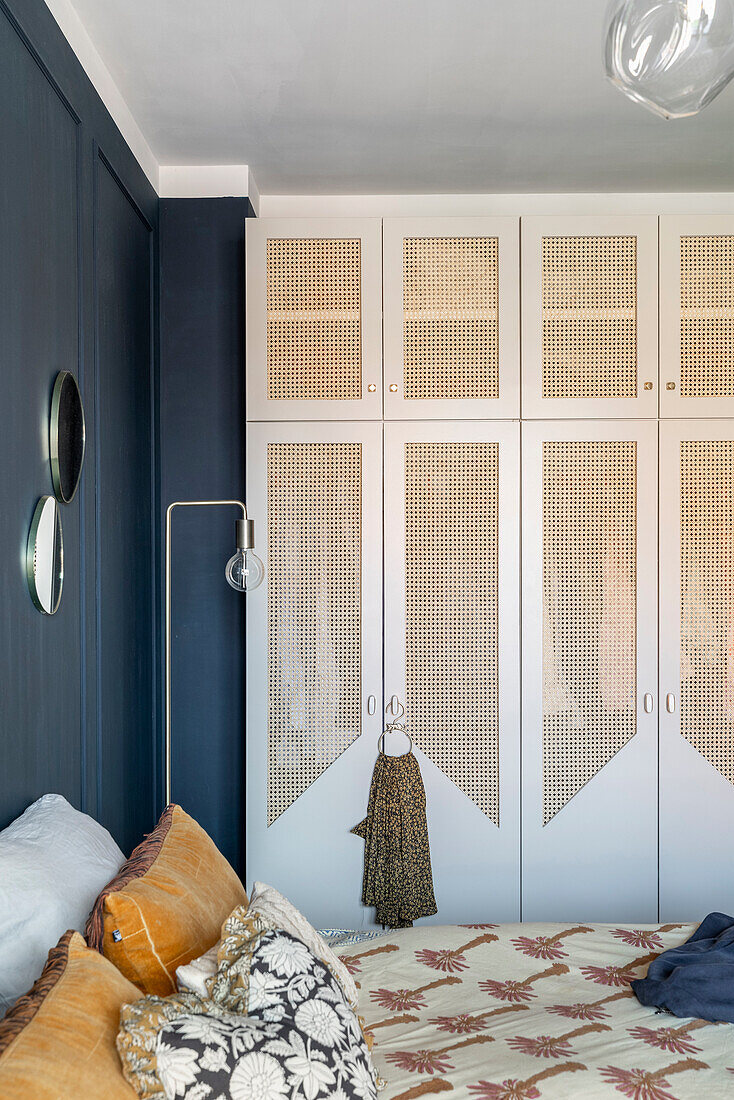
(58, 1041)
(167, 904)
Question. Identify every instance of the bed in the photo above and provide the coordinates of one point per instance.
(486, 1011)
(528, 1011)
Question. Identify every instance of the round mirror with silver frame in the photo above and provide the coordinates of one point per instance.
(45, 556)
(67, 436)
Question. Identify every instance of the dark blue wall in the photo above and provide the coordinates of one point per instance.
(78, 253)
(202, 452)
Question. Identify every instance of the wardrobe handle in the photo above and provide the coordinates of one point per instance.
(670, 703)
(371, 704)
(394, 704)
(647, 702)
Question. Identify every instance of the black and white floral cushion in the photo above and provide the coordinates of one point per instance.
(300, 1041)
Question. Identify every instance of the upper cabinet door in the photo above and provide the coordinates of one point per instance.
(697, 316)
(451, 292)
(590, 306)
(314, 319)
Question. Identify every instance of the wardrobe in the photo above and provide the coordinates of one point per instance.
(491, 466)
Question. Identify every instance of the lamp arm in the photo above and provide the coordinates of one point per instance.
(169, 513)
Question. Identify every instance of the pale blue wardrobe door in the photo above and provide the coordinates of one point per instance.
(589, 671)
(696, 667)
(452, 649)
(314, 659)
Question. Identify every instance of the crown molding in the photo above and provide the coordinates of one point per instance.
(208, 181)
(76, 35)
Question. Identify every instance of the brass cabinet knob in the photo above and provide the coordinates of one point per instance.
(648, 385)
(393, 387)
(372, 387)
(670, 385)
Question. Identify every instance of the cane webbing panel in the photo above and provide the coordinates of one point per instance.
(707, 601)
(451, 562)
(589, 302)
(589, 612)
(707, 316)
(313, 305)
(314, 612)
(450, 317)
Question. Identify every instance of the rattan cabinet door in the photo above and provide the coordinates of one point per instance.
(696, 668)
(451, 300)
(697, 315)
(314, 319)
(452, 649)
(590, 310)
(589, 537)
(314, 658)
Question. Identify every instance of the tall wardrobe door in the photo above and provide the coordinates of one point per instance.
(314, 660)
(696, 668)
(697, 315)
(590, 316)
(452, 650)
(452, 340)
(589, 671)
(314, 319)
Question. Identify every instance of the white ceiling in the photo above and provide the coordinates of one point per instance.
(398, 96)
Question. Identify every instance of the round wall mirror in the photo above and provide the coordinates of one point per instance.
(67, 436)
(45, 556)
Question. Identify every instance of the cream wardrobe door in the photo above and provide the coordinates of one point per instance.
(589, 308)
(314, 660)
(697, 315)
(589, 671)
(696, 668)
(452, 649)
(452, 340)
(314, 319)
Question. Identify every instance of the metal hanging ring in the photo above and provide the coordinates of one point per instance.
(394, 727)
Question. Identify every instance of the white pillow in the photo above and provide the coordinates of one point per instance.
(279, 913)
(54, 861)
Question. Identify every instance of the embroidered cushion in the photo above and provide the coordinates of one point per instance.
(301, 1038)
(167, 904)
(274, 911)
(58, 1040)
(140, 1027)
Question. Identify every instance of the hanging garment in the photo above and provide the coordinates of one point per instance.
(556, 696)
(617, 629)
(397, 860)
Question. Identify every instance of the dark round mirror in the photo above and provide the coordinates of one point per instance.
(45, 556)
(67, 436)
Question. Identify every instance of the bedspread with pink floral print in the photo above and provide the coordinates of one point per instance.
(532, 1012)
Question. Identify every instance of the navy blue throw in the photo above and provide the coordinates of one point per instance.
(697, 978)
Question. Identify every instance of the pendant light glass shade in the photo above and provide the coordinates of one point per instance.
(244, 571)
(672, 56)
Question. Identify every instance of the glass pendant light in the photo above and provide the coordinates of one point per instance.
(244, 570)
(672, 56)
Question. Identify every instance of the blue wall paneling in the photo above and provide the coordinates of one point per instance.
(202, 447)
(78, 247)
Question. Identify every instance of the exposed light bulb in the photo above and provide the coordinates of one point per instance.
(244, 570)
(672, 56)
